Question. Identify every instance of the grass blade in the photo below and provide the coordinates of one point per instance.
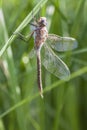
(23, 24)
(56, 84)
(12, 78)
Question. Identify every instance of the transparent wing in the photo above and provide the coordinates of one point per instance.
(61, 43)
(54, 64)
(32, 53)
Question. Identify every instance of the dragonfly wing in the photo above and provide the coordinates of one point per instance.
(54, 64)
(61, 43)
(32, 53)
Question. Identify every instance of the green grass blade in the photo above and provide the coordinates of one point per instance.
(0, 3)
(58, 10)
(56, 84)
(79, 14)
(12, 78)
(1, 125)
(23, 24)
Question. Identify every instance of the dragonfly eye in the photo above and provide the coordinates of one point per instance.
(42, 21)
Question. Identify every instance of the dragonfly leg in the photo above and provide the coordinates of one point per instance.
(34, 18)
(33, 24)
(39, 12)
(23, 37)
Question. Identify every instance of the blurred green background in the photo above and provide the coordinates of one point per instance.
(64, 106)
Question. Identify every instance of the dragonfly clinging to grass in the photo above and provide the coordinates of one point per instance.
(50, 42)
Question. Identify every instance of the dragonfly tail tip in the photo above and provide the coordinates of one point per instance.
(41, 94)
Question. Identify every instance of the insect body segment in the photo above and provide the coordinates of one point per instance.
(40, 33)
(40, 36)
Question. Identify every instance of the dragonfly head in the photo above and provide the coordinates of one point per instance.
(42, 21)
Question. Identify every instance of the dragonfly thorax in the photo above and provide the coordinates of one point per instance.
(40, 35)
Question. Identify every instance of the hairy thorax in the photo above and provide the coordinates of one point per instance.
(40, 36)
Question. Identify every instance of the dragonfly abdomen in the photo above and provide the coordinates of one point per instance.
(39, 78)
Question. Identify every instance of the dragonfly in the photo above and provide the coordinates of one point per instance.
(49, 42)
